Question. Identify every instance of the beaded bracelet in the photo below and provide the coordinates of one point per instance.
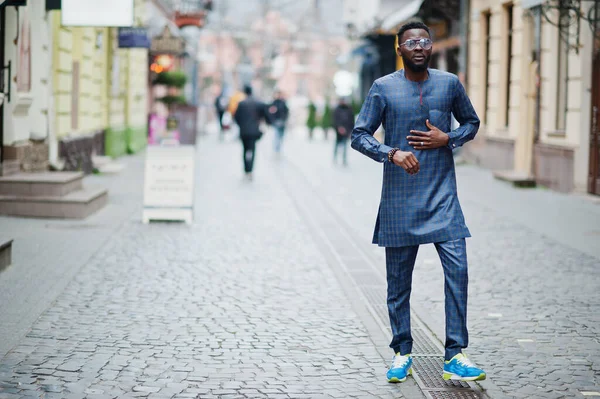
(391, 154)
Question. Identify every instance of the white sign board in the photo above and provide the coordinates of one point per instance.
(169, 183)
(97, 12)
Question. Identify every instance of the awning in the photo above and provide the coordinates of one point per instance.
(404, 10)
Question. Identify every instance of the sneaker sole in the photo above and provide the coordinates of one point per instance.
(397, 380)
(456, 377)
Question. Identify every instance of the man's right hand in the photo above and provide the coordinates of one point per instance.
(407, 161)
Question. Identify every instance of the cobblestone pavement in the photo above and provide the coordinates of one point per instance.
(44, 257)
(534, 288)
(240, 304)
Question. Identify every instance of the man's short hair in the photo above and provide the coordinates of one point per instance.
(248, 90)
(412, 25)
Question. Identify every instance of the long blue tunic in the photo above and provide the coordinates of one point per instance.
(421, 208)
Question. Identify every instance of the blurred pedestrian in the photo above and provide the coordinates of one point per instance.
(419, 202)
(234, 100)
(343, 123)
(221, 103)
(249, 114)
(278, 116)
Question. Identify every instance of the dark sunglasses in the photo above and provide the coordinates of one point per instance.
(411, 44)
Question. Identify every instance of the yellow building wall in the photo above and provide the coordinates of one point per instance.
(116, 75)
(62, 68)
(112, 85)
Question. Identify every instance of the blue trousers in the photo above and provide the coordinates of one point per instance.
(279, 132)
(400, 263)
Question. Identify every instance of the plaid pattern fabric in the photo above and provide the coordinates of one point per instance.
(400, 263)
(423, 208)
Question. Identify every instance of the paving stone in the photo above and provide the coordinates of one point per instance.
(545, 288)
(239, 304)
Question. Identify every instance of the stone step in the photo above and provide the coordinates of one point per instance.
(75, 205)
(518, 179)
(46, 184)
(10, 167)
(5, 253)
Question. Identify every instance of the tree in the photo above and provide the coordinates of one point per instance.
(326, 120)
(311, 122)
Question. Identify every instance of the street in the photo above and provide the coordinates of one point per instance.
(275, 290)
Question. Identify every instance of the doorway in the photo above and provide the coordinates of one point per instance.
(594, 171)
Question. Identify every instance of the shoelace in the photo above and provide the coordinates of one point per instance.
(400, 361)
(465, 361)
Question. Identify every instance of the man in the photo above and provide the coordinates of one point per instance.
(248, 115)
(419, 203)
(278, 116)
(343, 123)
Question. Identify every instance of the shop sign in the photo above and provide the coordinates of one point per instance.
(133, 37)
(190, 19)
(105, 13)
(169, 183)
(167, 43)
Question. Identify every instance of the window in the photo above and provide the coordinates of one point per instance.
(486, 18)
(562, 76)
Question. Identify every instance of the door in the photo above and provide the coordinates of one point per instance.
(594, 174)
(3, 78)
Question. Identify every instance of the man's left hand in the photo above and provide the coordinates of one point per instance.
(434, 138)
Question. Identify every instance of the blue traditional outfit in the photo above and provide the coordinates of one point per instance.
(421, 208)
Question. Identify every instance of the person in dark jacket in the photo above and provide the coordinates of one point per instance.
(278, 116)
(248, 115)
(343, 123)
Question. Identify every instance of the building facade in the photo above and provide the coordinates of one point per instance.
(530, 78)
(99, 93)
(67, 92)
(377, 24)
(25, 85)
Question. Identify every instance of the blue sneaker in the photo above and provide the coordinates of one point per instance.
(460, 368)
(400, 368)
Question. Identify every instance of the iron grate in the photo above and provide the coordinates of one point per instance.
(382, 313)
(429, 370)
(376, 295)
(422, 344)
(454, 394)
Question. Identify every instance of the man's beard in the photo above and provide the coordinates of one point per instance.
(414, 67)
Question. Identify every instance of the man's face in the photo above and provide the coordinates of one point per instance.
(417, 59)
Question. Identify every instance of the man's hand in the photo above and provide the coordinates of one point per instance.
(342, 130)
(434, 138)
(407, 161)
